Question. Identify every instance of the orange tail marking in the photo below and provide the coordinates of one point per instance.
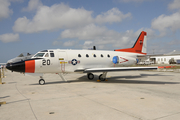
(137, 48)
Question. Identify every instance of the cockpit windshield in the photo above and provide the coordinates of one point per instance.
(44, 53)
(39, 55)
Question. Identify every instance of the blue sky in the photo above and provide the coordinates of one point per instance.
(34, 25)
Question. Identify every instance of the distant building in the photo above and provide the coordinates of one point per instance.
(169, 58)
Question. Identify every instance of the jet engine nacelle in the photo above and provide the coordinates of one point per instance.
(125, 61)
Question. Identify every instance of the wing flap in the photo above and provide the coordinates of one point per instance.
(112, 69)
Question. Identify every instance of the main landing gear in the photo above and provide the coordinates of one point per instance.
(102, 77)
(90, 76)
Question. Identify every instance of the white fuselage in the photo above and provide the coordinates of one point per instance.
(73, 60)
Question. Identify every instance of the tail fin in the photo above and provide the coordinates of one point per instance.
(139, 46)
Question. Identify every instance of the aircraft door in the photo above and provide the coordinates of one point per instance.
(62, 61)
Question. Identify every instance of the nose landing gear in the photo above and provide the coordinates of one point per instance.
(41, 81)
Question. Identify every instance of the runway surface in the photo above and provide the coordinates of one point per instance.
(137, 95)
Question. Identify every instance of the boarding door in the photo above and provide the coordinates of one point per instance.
(62, 61)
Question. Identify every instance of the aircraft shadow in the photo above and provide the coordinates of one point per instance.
(55, 82)
(117, 79)
(4, 97)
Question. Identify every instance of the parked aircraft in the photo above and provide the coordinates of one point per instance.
(84, 61)
(21, 57)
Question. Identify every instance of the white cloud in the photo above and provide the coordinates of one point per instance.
(164, 23)
(58, 16)
(113, 15)
(174, 5)
(57, 43)
(9, 37)
(69, 43)
(33, 5)
(84, 33)
(61, 16)
(87, 44)
(5, 11)
(101, 37)
(90, 44)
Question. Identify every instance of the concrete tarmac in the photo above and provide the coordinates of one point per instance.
(136, 95)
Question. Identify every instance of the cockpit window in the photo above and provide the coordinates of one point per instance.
(39, 55)
(44, 51)
(47, 55)
(52, 54)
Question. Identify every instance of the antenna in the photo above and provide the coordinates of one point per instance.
(94, 47)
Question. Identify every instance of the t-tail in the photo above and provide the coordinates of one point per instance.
(139, 46)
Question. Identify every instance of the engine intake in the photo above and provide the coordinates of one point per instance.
(125, 61)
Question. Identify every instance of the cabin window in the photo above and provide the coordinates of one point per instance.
(158, 59)
(87, 55)
(101, 55)
(52, 54)
(164, 59)
(161, 59)
(79, 55)
(94, 55)
(108, 55)
(50, 51)
(47, 55)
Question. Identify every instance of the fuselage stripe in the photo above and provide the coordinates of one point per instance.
(30, 66)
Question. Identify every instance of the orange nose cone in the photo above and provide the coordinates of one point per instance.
(30, 66)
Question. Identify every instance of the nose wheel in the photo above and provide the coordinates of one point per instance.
(41, 81)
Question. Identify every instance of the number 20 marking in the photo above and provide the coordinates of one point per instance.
(44, 62)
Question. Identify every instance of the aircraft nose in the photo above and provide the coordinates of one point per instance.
(18, 66)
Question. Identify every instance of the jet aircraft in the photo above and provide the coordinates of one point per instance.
(21, 57)
(84, 61)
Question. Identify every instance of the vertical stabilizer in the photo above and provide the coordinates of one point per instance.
(139, 46)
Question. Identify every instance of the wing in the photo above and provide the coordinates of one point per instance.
(112, 69)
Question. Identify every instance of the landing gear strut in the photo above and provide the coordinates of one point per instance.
(102, 77)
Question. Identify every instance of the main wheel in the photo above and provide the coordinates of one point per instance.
(101, 78)
(90, 76)
(41, 81)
